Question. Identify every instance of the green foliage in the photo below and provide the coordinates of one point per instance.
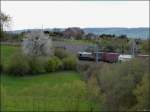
(81, 67)
(76, 96)
(59, 91)
(95, 94)
(109, 48)
(142, 93)
(53, 64)
(6, 53)
(1, 68)
(36, 65)
(116, 82)
(11, 37)
(120, 45)
(114, 87)
(18, 65)
(2, 35)
(145, 46)
(69, 63)
(123, 79)
(90, 48)
(60, 53)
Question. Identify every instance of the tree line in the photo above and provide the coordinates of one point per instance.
(106, 42)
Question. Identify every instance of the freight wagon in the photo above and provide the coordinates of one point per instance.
(110, 57)
(85, 56)
(125, 57)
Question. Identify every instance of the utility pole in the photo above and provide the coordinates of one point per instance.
(42, 29)
(133, 47)
(96, 52)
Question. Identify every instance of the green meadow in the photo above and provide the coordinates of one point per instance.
(56, 91)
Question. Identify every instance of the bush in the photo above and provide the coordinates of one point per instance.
(117, 82)
(1, 68)
(95, 94)
(122, 80)
(142, 94)
(60, 53)
(53, 64)
(18, 65)
(69, 63)
(37, 65)
(82, 67)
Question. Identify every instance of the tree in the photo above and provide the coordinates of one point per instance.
(37, 43)
(5, 19)
(145, 48)
(117, 82)
(122, 36)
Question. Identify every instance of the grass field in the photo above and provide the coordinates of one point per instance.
(59, 91)
(6, 52)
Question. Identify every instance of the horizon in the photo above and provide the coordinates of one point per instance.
(82, 28)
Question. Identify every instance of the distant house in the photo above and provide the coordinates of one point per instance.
(73, 32)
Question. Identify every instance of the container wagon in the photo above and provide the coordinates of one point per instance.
(125, 57)
(100, 56)
(110, 57)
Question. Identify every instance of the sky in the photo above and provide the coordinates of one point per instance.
(63, 14)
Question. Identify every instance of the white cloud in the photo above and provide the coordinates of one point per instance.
(34, 14)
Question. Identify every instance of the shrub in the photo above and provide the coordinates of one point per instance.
(95, 94)
(82, 67)
(1, 68)
(142, 94)
(53, 64)
(85, 69)
(69, 63)
(18, 65)
(37, 65)
(117, 82)
(60, 53)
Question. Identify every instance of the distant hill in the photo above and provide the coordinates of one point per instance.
(142, 33)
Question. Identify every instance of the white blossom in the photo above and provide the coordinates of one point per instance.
(37, 43)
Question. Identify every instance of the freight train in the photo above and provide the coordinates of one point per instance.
(102, 56)
(109, 56)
